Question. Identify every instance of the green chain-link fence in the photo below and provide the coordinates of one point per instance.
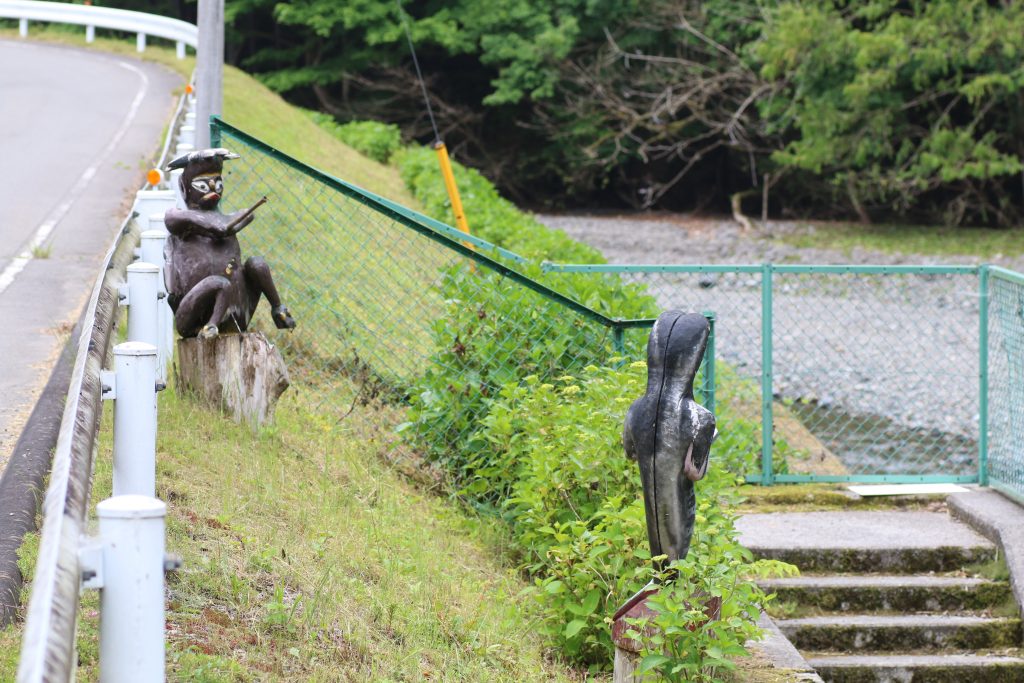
(864, 373)
(396, 309)
(1005, 378)
(824, 373)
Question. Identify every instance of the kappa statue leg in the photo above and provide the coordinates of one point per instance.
(259, 281)
(201, 310)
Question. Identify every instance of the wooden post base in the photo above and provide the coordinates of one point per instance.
(626, 663)
(242, 374)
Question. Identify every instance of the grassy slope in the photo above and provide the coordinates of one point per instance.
(306, 558)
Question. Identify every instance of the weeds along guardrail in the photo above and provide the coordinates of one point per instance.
(139, 23)
(126, 560)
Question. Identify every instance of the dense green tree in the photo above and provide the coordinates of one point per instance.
(903, 105)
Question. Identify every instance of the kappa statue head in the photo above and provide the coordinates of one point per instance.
(201, 181)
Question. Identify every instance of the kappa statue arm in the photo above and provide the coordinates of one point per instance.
(186, 222)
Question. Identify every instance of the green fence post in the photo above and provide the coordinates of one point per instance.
(767, 479)
(619, 340)
(983, 301)
(709, 365)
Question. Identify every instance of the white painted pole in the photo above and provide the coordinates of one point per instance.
(152, 251)
(143, 290)
(149, 202)
(90, 34)
(187, 135)
(179, 49)
(134, 419)
(175, 183)
(23, 28)
(140, 42)
(209, 67)
(156, 223)
(132, 598)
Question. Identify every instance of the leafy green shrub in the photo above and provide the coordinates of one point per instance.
(495, 332)
(375, 139)
(555, 468)
(490, 216)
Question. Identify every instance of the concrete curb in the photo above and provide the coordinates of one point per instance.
(999, 519)
(21, 487)
(781, 653)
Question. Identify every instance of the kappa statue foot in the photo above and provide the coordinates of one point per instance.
(282, 318)
(208, 332)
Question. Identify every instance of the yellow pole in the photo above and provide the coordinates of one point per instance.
(453, 190)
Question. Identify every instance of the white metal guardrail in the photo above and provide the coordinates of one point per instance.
(139, 23)
(126, 561)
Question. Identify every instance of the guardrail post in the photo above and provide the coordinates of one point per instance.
(132, 594)
(143, 297)
(140, 42)
(175, 183)
(132, 386)
(152, 251)
(23, 28)
(149, 202)
(179, 49)
(90, 34)
(187, 135)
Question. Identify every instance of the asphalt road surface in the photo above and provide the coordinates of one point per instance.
(78, 129)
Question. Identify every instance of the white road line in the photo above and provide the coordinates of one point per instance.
(18, 263)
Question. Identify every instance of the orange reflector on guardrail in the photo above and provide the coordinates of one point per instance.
(154, 177)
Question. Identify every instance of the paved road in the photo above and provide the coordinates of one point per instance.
(77, 130)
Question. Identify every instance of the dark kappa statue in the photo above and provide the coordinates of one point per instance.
(209, 289)
(669, 434)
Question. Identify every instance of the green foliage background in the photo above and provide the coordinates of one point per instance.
(874, 108)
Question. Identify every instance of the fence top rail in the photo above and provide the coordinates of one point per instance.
(101, 17)
(1006, 274)
(451, 238)
(852, 269)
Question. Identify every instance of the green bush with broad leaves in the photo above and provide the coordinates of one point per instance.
(494, 333)
(555, 468)
(374, 139)
(490, 216)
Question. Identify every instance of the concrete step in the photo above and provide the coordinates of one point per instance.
(919, 669)
(873, 633)
(898, 593)
(851, 542)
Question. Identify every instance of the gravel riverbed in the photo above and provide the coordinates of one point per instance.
(900, 347)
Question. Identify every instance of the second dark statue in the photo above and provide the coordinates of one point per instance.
(209, 289)
(669, 434)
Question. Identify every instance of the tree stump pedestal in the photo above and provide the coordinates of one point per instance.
(627, 650)
(242, 374)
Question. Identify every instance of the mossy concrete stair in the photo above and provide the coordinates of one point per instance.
(884, 597)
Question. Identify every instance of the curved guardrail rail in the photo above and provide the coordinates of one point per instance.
(181, 32)
(48, 644)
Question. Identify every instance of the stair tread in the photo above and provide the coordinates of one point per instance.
(876, 580)
(880, 660)
(901, 620)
